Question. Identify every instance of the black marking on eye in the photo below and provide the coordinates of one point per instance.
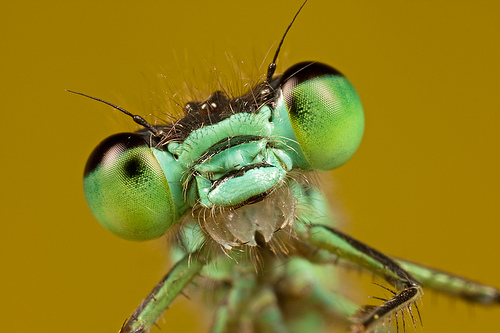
(134, 168)
(306, 71)
(298, 74)
(115, 146)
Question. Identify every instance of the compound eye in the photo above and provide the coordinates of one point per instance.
(325, 113)
(126, 188)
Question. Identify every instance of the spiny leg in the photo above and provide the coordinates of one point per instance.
(336, 242)
(410, 311)
(452, 285)
(162, 295)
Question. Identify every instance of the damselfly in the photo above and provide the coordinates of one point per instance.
(229, 182)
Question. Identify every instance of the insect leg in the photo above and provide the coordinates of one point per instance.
(267, 312)
(153, 306)
(452, 285)
(231, 314)
(338, 243)
(302, 288)
(250, 305)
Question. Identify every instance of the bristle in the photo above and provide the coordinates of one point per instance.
(411, 315)
(403, 320)
(379, 298)
(419, 317)
(397, 321)
(384, 287)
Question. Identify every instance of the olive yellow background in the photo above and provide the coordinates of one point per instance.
(423, 185)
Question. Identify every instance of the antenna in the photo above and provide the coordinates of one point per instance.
(272, 66)
(138, 119)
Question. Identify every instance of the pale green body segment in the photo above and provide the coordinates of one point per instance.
(173, 173)
(450, 284)
(240, 124)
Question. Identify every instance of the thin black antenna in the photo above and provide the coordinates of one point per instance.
(272, 66)
(138, 119)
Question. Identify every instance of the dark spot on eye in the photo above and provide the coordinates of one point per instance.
(133, 168)
(114, 145)
(296, 75)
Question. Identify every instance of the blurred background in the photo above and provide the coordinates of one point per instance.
(423, 185)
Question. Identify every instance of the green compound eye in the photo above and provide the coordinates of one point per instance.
(325, 113)
(126, 188)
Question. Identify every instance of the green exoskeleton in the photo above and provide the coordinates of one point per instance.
(228, 182)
